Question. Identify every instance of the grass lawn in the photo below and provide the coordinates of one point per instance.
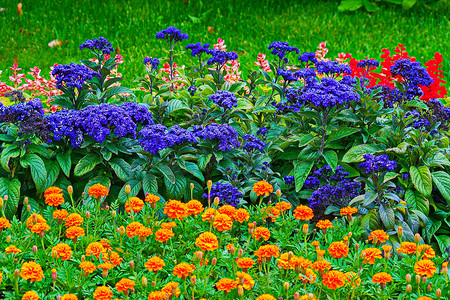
(248, 27)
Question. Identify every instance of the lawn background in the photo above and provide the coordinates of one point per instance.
(247, 27)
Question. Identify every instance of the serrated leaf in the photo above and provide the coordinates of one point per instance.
(355, 154)
(8, 153)
(121, 168)
(442, 181)
(149, 184)
(342, 132)
(194, 170)
(37, 167)
(203, 160)
(12, 189)
(167, 172)
(176, 189)
(65, 162)
(387, 216)
(443, 242)
(135, 188)
(301, 172)
(331, 158)
(421, 178)
(416, 201)
(87, 164)
(52, 169)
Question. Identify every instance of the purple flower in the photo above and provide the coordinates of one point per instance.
(289, 180)
(99, 45)
(226, 193)
(223, 135)
(252, 143)
(368, 64)
(332, 67)
(220, 57)
(286, 74)
(280, 49)
(72, 76)
(172, 35)
(154, 138)
(225, 99)
(377, 164)
(151, 63)
(308, 56)
(198, 49)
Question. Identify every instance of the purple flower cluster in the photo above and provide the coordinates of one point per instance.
(225, 99)
(390, 96)
(438, 113)
(311, 183)
(226, 193)
(252, 143)
(171, 34)
(414, 76)
(280, 49)
(154, 138)
(64, 124)
(328, 93)
(293, 101)
(72, 76)
(286, 74)
(368, 64)
(139, 113)
(198, 49)
(332, 67)
(224, 135)
(307, 74)
(377, 164)
(262, 131)
(151, 63)
(192, 89)
(221, 57)
(289, 180)
(308, 57)
(100, 45)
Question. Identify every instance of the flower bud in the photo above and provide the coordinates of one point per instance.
(296, 296)
(193, 280)
(357, 247)
(305, 229)
(290, 255)
(5, 198)
(35, 249)
(8, 239)
(192, 186)
(83, 257)
(16, 273)
(121, 231)
(286, 286)
(375, 240)
(232, 251)
(209, 184)
(240, 253)
(349, 234)
(70, 189)
(29, 208)
(25, 201)
(429, 287)
(54, 254)
(400, 231)
(15, 260)
(278, 192)
(363, 255)
(311, 296)
(199, 256)
(216, 201)
(113, 214)
(424, 279)
(214, 261)
(211, 219)
(107, 207)
(438, 294)
(88, 214)
(409, 288)
(417, 238)
(127, 190)
(417, 279)
(34, 218)
(240, 291)
(144, 281)
(59, 298)
(54, 275)
(408, 278)
(132, 265)
(1, 202)
(105, 273)
(315, 231)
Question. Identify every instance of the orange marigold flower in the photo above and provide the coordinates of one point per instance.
(175, 209)
(52, 190)
(315, 243)
(4, 223)
(73, 219)
(226, 284)
(37, 217)
(157, 295)
(95, 249)
(171, 286)
(154, 264)
(168, 225)
(74, 232)
(30, 295)
(31, 271)
(241, 215)
(248, 280)
(54, 200)
(133, 228)
(12, 249)
(424, 298)
(183, 270)
(60, 214)
(301, 261)
(69, 297)
(163, 235)
(426, 251)
(124, 285)
(105, 243)
(87, 267)
(150, 198)
(334, 279)
(208, 213)
(261, 232)
(228, 210)
(425, 268)
(271, 212)
(194, 207)
(309, 276)
(207, 241)
(382, 277)
(371, 255)
(267, 251)
(105, 266)
(40, 227)
(407, 248)
(380, 234)
(284, 261)
(352, 278)
(386, 248)
(63, 251)
(245, 263)
(135, 204)
(222, 222)
(1, 277)
(144, 231)
(103, 293)
(262, 188)
(114, 258)
(348, 211)
(98, 190)
(321, 265)
(338, 249)
(324, 224)
(303, 212)
(283, 205)
(266, 297)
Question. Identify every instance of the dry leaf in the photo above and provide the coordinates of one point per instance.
(211, 29)
(19, 9)
(55, 43)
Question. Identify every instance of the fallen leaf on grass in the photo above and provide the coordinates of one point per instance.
(55, 43)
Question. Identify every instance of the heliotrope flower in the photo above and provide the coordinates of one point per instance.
(224, 135)
(252, 143)
(151, 63)
(224, 99)
(308, 57)
(198, 49)
(72, 76)
(227, 193)
(281, 49)
(172, 35)
(98, 45)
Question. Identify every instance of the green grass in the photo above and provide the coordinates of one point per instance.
(248, 27)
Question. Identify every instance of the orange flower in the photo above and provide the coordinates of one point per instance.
(321, 265)
(124, 285)
(105, 243)
(69, 297)
(348, 211)
(105, 266)
(261, 232)
(12, 249)
(301, 261)
(352, 278)
(267, 251)
(226, 285)
(168, 225)
(150, 198)
(103, 293)
(309, 276)
(284, 261)
(271, 212)
(175, 209)
(207, 241)
(386, 248)
(183, 270)
(338, 249)
(194, 207)
(60, 214)
(222, 222)
(241, 215)
(248, 281)
(135, 204)
(371, 255)
(4, 223)
(95, 249)
(324, 224)
(54, 200)
(380, 234)
(144, 232)
(426, 251)
(228, 210)
(407, 248)
(163, 235)
(315, 243)
(266, 297)
(98, 190)
(171, 286)
(283, 205)
(157, 295)
(334, 279)
(245, 263)
(262, 188)
(31, 271)
(63, 250)
(382, 277)
(133, 228)
(31, 295)
(52, 190)
(73, 219)
(87, 267)
(113, 258)
(425, 268)
(303, 212)
(74, 232)
(208, 213)
(36, 217)
(40, 227)
(154, 264)
(424, 298)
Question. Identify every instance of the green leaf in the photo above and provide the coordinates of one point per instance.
(370, 7)
(7, 154)
(176, 189)
(407, 4)
(442, 181)
(387, 216)
(417, 201)
(331, 158)
(121, 168)
(38, 171)
(87, 164)
(149, 184)
(203, 160)
(350, 5)
(52, 169)
(341, 132)
(12, 189)
(301, 172)
(62, 101)
(194, 170)
(65, 162)
(355, 154)
(167, 172)
(439, 160)
(117, 90)
(176, 105)
(443, 242)
(135, 188)
(421, 178)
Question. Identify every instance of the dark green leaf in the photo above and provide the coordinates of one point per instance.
(331, 158)
(355, 154)
(87, 164)
(301, 172)
(38, 171)
(12, 189)
(65, 162)
(421, 178)
(442, 181)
